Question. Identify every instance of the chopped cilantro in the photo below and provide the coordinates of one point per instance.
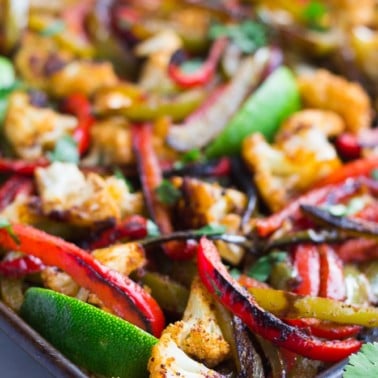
(191, 156)
(65, 150)
(374, 174)
(152, 229)
(211, 229)
(190, 66)
(167, 193)
(53, 28)
(235, 273)
(248, 36)
(313, 15)
(262, 268)
(363, 364)
(118, 173)
(4, 223)
(352, 207)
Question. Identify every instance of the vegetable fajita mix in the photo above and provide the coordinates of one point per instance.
(190, 188)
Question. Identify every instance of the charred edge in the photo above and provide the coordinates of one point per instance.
(263, 319)
(177, 58)
(92, 273)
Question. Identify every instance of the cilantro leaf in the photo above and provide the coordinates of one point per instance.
(374, 174)
(248, 36)
(352, 207)
(314, 13)
(364, 363)
(65, 150)
(191, 156)
(167, 193)
(4, 223)
(152, 229)
(190, 66)
(211, 229)
(119, 175)
(53, 28)
(262, 268)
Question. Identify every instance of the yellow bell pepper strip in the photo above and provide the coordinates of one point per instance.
(289, 305)
(243, 304)
(119, 293)
(177, 108)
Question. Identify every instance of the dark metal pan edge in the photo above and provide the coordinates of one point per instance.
(36, 346)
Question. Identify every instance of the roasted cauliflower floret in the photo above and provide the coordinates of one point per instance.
(291, 166)
(32, 131)
(35, 65)
(21, 211)
(200, 335)
(83, 77)
(329, 123)
(124, 258)
(59, 281)
(67, 193)
(324, 90)
(203, 203)
(158, 50)
(111, 142)
(168, 360)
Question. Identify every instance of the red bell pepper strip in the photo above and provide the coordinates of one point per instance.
(324, 329)
(151, 177)
(336, 192)
(78, 105)
(14, 186)
(331, 274)
(361, 167)
(125, 297)
(133, 227)
(240, 302)
(201, 76)
(21, 266)
(21, 167)
(358, 250)
(307, 264)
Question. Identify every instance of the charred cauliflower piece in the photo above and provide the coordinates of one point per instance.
(32, 131)
(291, 166)
(83, 77)
(329, 123)
(200, 335)
(111, 142)
(168, 360)
(59, 281)
(205, 203)
(67, 193)
(123, 258)
(324, 90)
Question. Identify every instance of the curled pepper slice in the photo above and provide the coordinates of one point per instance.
(78, 105)
(218, 281)
(14, 186)
(125, 297)
(201, 76)
(151, 177)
